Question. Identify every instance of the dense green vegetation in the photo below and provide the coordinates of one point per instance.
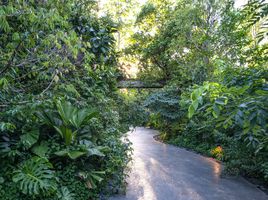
(62, 119)
(60, 128)
(213, 59)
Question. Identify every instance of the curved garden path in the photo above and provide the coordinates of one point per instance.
(164, 172)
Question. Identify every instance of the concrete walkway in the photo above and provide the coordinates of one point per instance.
(165, 172)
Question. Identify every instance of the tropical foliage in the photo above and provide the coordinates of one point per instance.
(60, 128)
(62, 119)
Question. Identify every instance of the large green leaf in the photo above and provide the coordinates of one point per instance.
(35, 176)
(66, 111)
(191, 111)
(80, 116)
(94, 151)
(40, 149)
(76, 154)
(49, 117)
(73, 154)
(66, 133)
(30, 138)
(195, 104)
(66, 119)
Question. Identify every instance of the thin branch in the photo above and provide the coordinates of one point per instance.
(23, 76)
(50, 84)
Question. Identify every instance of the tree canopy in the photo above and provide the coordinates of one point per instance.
(63, 119)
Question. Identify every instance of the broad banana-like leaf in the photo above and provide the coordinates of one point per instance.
(81, 116)
(66, 111)
(66, 133)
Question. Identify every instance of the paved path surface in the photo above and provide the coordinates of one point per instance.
(165, 172)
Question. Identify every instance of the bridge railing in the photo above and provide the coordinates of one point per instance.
(138, 84)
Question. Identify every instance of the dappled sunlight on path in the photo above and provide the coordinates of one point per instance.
(164, 172)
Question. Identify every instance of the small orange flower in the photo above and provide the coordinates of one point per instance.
(217, 152)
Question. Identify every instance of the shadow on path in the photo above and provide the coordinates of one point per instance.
(165, 172)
